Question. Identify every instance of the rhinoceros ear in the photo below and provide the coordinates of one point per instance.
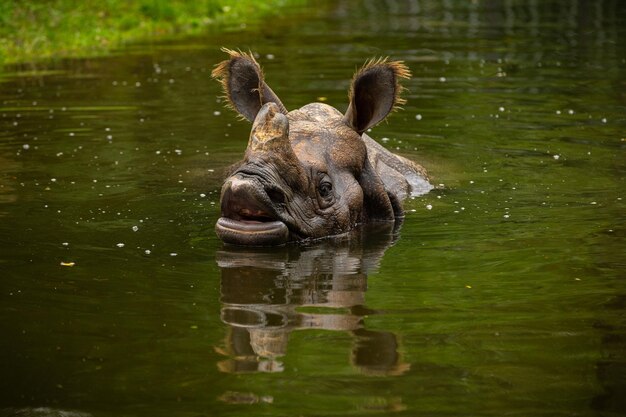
(242, 81)
(375, 92)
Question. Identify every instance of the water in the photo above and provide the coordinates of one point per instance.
(501, 293)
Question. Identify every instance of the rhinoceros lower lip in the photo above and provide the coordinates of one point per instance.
(251, 232)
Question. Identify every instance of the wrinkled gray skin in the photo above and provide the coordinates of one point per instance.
(312, 172)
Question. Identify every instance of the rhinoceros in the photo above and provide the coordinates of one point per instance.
(312, 172)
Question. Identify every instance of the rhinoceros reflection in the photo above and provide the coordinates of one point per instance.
(265, 294)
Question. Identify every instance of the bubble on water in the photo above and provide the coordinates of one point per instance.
(506, 216)
(217, 113)
(109, 137)
(178, 151)
(429, 207)
(65, 243)
(604, 120)
(385, 140)
(202, 195)
(558, 112)
(570, 111)
(147, 252)
(158, 152)
(593, 203)
(269, 56)
(501, 108)
(137, 84)
(442, 79)
(26, 146)
(135, 228)
(418, 117)
(120, 245)
(173, 254)
(556, 157)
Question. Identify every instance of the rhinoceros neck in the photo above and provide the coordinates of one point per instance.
(401, 176)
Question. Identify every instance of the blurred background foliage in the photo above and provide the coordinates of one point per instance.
(31, 30)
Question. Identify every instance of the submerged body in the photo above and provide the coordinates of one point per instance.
(312, 172)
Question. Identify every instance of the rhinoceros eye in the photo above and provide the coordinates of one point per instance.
(325, 188)
(325, 194)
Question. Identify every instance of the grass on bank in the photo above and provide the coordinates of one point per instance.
(33, 29)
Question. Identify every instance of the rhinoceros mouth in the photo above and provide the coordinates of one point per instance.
(251, 232)
(248, 217)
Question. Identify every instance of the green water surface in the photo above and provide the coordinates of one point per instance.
(502, 293)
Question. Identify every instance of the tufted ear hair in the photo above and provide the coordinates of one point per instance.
(375, 92)
(242, 80)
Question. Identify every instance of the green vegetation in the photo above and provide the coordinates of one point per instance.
(31, 30)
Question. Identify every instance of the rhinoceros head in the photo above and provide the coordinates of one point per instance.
(305, 173)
